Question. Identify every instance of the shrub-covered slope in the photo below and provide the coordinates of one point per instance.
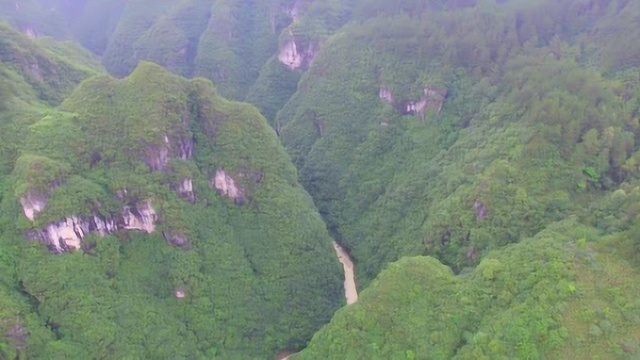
(181, 228)
(252, 50)
(45, 69)
(227, 41)
(34, 74)
(554, 296)
(489, 147)
(455, 133)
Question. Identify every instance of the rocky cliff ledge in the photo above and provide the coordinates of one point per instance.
(432, 98)
(294, 57)
(226, 186)
(69, 232)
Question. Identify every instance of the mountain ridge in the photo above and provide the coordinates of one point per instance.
(478, 159)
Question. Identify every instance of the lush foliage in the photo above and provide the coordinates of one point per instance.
(546, 297)
(233, 43)
(483, 152)
(257, 278)
(521, 122)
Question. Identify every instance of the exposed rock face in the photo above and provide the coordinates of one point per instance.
(102, 226)
(435, 98)
(481, 210)
(33, 204)
(289, 55)
(69, 232)
(180, 293)
(185, 189)
(157, 156)
(432, 98)
(294, 58)
(177, 240)
(226, 186)
(143, 217)
(185, 148)
(386, 95)
(66, 234)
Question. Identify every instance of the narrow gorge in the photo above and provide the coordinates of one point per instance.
(350, 288)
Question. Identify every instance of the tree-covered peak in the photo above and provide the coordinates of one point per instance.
(547, 296)
(478, 160)
(170, 199)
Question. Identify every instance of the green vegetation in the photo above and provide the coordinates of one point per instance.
(527, 134)
(257, 278)
(51, 71)
(33, 76)
(233, 43)
(550, 296)
(478, 159)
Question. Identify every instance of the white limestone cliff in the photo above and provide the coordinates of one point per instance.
(33, 204)
(66, 234)
(432, 98)
(185, 189)
(157, 156)
(69, 232)
(142, 218)
(386, 95)
(290, 56)
(293, 57)
(226, 186)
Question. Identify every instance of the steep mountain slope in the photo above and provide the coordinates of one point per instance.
(550, 296)
(33, 76)
(181, 229)
(250, 49)
(457, 135)
(484, 153)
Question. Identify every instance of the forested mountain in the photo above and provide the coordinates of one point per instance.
(549, 296)
(441, 181)
(226, 41)
(479, 160)
(180, 224)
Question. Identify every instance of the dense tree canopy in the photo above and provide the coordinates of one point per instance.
(477, 158)
(112, 144)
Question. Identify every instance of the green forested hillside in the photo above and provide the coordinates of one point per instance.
(34, 76)
(236, 44)
(477, 158)
(527, 133)
(538, 124)
(237, 262)
(555, 296)
(227, 41)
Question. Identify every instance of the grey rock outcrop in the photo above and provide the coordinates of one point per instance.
(225, 185)
(177, 240)
(185, 189)
(432, 98)
(69, 232)
(32, 204)
(294, 57)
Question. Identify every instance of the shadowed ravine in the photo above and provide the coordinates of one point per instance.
(350, 289)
